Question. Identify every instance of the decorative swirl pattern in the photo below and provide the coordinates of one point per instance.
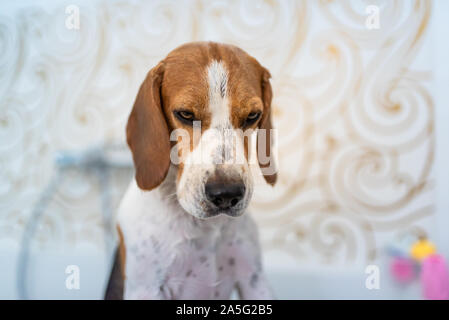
(355, 119)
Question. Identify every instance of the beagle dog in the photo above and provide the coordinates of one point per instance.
(182, 231)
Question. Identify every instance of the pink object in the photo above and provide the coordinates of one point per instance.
(435, 278)
(402, 269)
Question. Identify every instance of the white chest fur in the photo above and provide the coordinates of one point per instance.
(172, 255)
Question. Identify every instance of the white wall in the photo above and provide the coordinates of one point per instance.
(354, 145)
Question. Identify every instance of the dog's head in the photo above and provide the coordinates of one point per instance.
(196, 109)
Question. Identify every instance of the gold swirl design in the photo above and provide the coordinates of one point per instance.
(370, 117)
(352, 107)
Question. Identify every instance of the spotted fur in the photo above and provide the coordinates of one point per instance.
(174, 243)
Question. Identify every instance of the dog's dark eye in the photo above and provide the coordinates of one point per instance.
(185, 116)
(252, 118)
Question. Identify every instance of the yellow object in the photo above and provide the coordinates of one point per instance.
(421, 249)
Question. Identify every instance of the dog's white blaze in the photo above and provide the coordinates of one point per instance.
(217, 76)
(208, 153)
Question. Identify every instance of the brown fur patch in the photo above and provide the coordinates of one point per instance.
(116, 283)
(122, 251)
(147, 132)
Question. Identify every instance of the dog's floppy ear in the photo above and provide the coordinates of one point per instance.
(147, 132)
(264, 136)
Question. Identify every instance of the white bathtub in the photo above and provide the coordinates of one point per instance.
(290, 279)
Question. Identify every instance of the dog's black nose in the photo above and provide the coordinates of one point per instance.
(224, 195)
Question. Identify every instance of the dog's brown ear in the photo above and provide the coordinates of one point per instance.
(264, 136)
(147, 132)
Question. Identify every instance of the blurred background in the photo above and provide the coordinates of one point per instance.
(360, 104)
